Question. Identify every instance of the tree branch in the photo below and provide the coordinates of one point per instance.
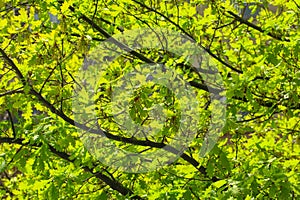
(12, 123)
(130, 140)
(17, 91)
(243, 21)
(191, 37)
(112, 183)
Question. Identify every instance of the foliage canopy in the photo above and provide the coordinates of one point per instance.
(44, 46)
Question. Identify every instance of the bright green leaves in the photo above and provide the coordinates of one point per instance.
(52, 192)
(160, 100)
(218, 164)
(28, 112)
(258, 156)
(65, 7)
(219, 183)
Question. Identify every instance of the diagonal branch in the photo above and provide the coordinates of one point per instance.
(143, 58)
(112, 183)
(298, 6)
(17, 91)
(136, 54)
(185, 32)
(14, 67)
(130, 140)
(243, 21)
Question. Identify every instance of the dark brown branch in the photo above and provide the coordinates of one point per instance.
(12, 124)
(130, 140)
(112, 183)
(298, 6)
(189, 35)
(17, 91)
(135, 53)
(96, 8)
(15, 68)
(47, 79)
(114, 41)
(246, 22)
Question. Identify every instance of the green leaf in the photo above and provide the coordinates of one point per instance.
(219, 183)
(224, 161)
(53, 192)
